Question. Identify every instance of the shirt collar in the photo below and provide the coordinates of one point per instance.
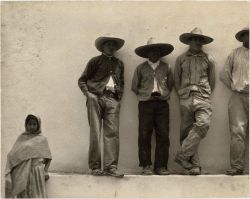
(245, 48)
(200, 54)
(107, 56)
(154, 64)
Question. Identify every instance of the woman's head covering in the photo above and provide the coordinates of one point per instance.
(29, 117)
(27, 146)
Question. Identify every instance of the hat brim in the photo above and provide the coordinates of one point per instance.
(163, 48)
(185, 38)
(239, 34)
(101, 40)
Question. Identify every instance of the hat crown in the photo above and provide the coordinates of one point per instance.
(101, 40)
(245, 28)
(151, 40)
(197, 31)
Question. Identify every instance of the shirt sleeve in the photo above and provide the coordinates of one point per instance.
(136, 81)
(211, 72)
(120, 90)
(177, 74)
(82, 81)
(226, 72)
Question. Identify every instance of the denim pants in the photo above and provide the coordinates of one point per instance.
(103, 112)
(153, 115)
(238, 110)
(195, 120)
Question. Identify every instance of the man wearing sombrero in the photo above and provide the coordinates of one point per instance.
(194, 78)
(152, 83)
(235, 75)
(102, 83)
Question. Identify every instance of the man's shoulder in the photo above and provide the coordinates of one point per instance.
(142, 65)
(182, 55)
(96, 58)
(209, 57)
(232, 53)
(120, 62)
(164, 65)
(238, 49)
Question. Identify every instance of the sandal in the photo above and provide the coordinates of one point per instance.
(194, 171)
(97, 172)
(181, 160)
(233, 172)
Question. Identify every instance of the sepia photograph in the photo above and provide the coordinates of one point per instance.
(125, 99)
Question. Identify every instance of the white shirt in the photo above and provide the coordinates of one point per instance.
(154, 66)
(110, 82)
(240, 78)
(236, 69)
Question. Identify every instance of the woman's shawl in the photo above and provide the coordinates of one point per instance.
(27, 146)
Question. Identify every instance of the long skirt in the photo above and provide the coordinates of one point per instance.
(35, 187)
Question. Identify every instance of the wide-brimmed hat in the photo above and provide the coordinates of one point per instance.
(163, 48)
(101, 40)
(239, 34)
(196, 32)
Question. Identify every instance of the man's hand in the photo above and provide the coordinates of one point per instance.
(46, 175)
(89, 95)
(194, 88)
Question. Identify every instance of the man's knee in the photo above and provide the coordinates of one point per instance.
(202, 129)
(238, 131)
(163, 139)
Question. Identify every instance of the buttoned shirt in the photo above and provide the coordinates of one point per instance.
(235, 73)
(194, 73)
(143, 80)
(99, 71)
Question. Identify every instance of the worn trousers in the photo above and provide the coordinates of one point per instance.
(195, 120)
(103, 113)
(153, 115)
(238, 110)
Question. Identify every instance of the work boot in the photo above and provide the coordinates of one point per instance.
(181, 160)
(195, 171)
(147, 170)
(162, 171)
(233, 172)
(113, 172)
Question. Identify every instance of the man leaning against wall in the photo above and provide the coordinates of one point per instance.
(102, 82)
(194, 78)
(235, 75)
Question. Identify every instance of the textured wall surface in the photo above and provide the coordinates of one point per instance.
(45, 46)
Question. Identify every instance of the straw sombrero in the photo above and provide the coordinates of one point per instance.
(101, 40)
(239, 34)
(163, 48)
(196, 32)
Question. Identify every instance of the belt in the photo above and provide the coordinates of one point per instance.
(155, 96)
(109, 93)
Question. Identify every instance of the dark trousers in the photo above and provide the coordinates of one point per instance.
(153, 115)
